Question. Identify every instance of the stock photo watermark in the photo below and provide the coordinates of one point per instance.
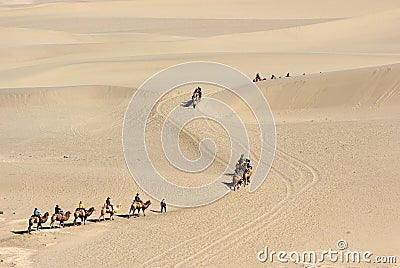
(341, 254)
(153, 89)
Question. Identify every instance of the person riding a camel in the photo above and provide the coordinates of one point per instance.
(248, 162)
(137, 199)
(197, 91)
(36, 213)
(241, 159)
(58, 210)
(258, 78)
(237, 168)
(81, 207)
(108, 203)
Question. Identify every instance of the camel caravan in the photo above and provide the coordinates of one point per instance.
(82, 214)
(242, 175)
(243, 172)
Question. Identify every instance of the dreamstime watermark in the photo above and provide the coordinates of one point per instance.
(339, 255)
(153, 89)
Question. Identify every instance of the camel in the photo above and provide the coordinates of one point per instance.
(246, 176)
(258, 78)
(137, 206)
(195, 99)
(105, 210)
(39, 220)
(82, 215)
(237, 181)
(61, 219)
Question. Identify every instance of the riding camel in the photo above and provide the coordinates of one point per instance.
(246, 176)
(258, 78)
(61, 219)
(237, 181)
(39, 220)
(137, 206)
(195, 99)
(83, 214)
(105, 210)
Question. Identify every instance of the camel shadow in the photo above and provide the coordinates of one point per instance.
(105, 219)
(57, 226)
(125, 216)
(68, 224)
(22, 232)
(228, 184)
(187, 104)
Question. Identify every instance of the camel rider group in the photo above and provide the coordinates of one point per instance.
(59, 211)
(243, 165)
(109, 205)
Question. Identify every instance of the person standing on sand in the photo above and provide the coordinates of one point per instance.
(163, 205)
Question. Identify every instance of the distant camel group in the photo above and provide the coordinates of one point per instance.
(242, 174)
(83, 214)
(258, 77)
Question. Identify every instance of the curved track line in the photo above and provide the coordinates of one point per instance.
(275, 210)
(290, 195)
(240, 233)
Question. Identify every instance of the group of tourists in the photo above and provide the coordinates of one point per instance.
(59, 211)
(243, 165)
(243, 172)
(108, 206)
(258, 77)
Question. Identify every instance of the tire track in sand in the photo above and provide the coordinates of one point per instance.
(307, 174)
(256, 224)
(184, 248)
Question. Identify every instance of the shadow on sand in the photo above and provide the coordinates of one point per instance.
(56, 226)
(22, 232)
(125, 216)
(187, 104)
(228, 184)
(155, 211)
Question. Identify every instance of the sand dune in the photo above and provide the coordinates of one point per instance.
(69, 70)
(67, 58)
(220, 9)
(84, 123)
(374, 33)
(361, 88)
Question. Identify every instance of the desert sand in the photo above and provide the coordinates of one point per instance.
(68, 71)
